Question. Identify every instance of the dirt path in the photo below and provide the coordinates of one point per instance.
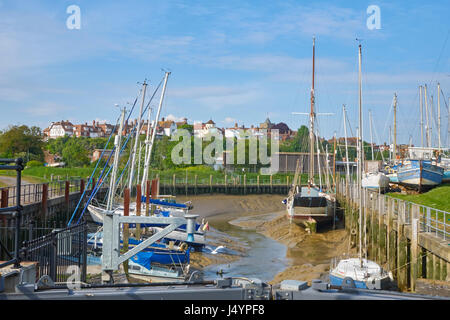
(10, 181)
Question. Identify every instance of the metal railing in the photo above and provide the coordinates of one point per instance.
(58, 250)
(31, 193)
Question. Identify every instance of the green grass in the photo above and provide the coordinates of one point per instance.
(438, 198)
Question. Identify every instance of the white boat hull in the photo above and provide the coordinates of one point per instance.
(377, 181)
(368, 276)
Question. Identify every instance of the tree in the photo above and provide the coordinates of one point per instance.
(22, 141)
(75, 154)
(300, 143)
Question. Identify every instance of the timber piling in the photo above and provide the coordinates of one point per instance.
(402, 237)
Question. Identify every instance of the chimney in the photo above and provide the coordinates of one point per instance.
(235, 125)
(93, 123)
(162, 119)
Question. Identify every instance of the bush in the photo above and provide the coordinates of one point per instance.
(34, 163)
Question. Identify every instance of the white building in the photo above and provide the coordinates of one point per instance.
(60, 129)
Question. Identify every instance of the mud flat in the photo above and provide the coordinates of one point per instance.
(308, 255)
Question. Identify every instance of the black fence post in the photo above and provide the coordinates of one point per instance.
(84, 252)
(53, 255)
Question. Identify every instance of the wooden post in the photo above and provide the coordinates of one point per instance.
(401, 248)
(210, 183)
(447, 267)
(437, 267)
(195, 183)
(138, 210)
(414, 249)
(271, 184)
(147, 198)
(226, 184)
(389, 246)
(126, 230)
(381, 241)
(4, 204)
(245, 184)
(444, 267)
(44, 199)
(81, 186)
(173, 184)
(257, 182)
(430, 265)
(66, 193)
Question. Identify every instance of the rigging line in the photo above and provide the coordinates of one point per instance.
(439, 58)
(94, 193)
(388, 117)
(93, 172)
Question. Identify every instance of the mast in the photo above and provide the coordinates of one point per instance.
(427, 128)
(439, 117)
(136, 140)
(112, 182)
(327, 175)
(346, 146)
(395, 127)
(318, 160)
(360, 158)
(371, 136)
(334, 161)
(390, 150)
(431, 121)
(421, 114)
(150, 143)
(311, 122)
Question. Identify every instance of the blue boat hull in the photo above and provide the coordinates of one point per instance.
(425, 175)
(336, 281)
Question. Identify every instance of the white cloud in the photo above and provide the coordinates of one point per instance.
(230, 120)
(174, 118)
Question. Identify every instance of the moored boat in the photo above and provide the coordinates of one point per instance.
(420, 174)
(309, 204)
(378, 181)
(364, 273)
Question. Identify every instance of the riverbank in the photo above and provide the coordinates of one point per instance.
(308, 255)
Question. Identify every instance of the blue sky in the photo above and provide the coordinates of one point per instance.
(232, 61)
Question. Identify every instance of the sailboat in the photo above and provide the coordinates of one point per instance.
(362, 272)
(419, 172)
(309, 205)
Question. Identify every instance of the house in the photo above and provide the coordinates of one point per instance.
(59, 129)
(166, 126)
(203, 129)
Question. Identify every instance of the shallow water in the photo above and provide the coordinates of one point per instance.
(263, 260)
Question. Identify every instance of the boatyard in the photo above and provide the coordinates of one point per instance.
(232, 151)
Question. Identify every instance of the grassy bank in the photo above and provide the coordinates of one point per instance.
(438, 198)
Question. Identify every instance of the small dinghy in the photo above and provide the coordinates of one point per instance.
(365, 274)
